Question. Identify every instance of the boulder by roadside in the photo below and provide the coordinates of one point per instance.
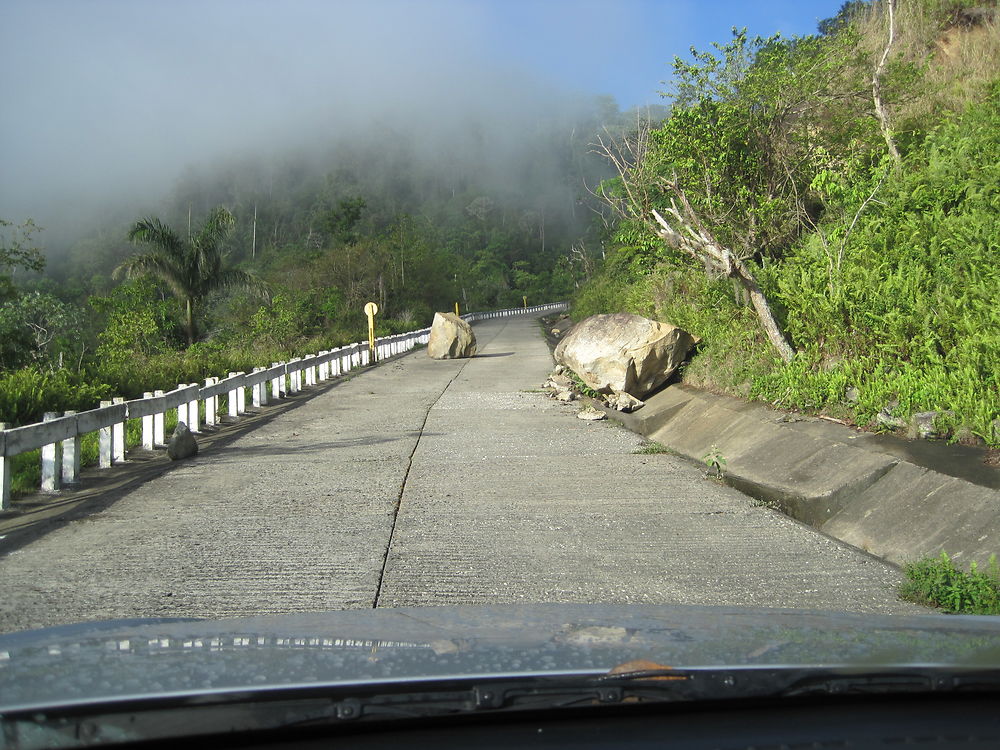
(182, 443)
(623, 353)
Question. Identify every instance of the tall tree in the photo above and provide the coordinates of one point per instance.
(192, 268)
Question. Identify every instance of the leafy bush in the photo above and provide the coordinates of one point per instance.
(938, 582)
(26, 394)
(888, 285)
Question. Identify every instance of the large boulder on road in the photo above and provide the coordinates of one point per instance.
(451, 337)
(623, 353)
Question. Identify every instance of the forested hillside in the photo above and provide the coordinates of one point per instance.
(825, 213)
(475, 213)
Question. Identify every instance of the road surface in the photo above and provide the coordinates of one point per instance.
(422, 482)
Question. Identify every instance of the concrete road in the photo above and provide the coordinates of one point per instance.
(422, 482)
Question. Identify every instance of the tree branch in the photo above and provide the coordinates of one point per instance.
(880, 109)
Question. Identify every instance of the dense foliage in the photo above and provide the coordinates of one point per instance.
(255, 260)
(881, 273)
(938, 582)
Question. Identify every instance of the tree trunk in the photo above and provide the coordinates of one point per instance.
(189, 321)
(763, 310)
(880, 110)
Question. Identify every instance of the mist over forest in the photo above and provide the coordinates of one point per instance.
(182, 88)
(314, 157)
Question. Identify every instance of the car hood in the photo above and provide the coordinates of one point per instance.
(127, 659)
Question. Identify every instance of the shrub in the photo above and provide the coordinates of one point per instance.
(937, 582)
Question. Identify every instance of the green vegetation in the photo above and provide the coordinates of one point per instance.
(251, 261)
(938, 582)
(581, 387)
(653, 448)
(715, 461)
(191, 270)
(828, 225)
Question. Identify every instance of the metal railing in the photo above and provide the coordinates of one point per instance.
(59, 435)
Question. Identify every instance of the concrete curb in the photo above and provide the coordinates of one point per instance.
(845, 483)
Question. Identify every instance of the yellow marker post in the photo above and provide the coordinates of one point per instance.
(456, 308)
(525, 302)
(371, 309)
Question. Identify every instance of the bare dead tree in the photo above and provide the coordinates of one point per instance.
(880, 109)
(685, 232)
(680, 225)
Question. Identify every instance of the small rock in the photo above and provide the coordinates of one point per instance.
(558, 381)
(590, 414)
(557, 370)
(625, 402)
(565, 394)
(789, 418)
(851, 395)
(182, 443)
(886, 419)
(922, 426)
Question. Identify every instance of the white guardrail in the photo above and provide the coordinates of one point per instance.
(60, 434)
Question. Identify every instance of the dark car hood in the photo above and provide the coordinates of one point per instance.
(124, 659)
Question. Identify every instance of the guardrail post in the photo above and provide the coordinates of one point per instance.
(51, 460)
(232, 397)
(105, 442)
(324, 367)
(211, 405)
(193, 413)
(283, 380)
(4, 472)
(118, 436)
(182, 411)
(147, 426)
(71, 457)
(276, 383)
(241, 397)
(257, 391)
(159, 420)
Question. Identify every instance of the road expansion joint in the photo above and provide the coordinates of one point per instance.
(406, 474)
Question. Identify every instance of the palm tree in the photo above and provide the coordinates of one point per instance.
(191, 269)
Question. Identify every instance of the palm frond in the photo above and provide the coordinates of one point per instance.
(162, 266)
(215, 229)
(152, 231)
(233, 278)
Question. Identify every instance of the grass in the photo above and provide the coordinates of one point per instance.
(652, 448)
(580, 387)
(938, 582)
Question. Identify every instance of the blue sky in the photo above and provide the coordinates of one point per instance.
(625, 47)
(120, 96)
